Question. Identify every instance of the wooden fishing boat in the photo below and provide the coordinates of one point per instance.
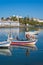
(32, 42)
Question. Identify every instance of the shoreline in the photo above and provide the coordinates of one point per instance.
(10, 26)
(21, 26)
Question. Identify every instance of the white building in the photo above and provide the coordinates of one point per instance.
(39, 20)
(9, 23)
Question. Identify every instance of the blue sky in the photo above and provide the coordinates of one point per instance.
(31, 8)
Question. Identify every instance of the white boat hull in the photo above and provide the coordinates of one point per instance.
(4, 44)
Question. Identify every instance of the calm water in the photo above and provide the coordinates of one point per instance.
(18, 55)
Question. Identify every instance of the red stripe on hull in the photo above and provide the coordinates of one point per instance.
(22, 43)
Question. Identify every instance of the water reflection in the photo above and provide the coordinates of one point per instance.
(26, 48)
(16, 32)
(33, 48)
(5, 52)
(9, 51)
(27, 52)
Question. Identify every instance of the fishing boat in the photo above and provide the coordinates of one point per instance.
(30, 40)
(5, 43)
(27, 41)
(23, 42)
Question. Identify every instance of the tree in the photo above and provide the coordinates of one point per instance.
(14, 18)
(26, 20)
(7, 18)
(21, 20)
(2, 18)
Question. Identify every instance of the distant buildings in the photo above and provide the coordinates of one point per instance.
(17, 16)
(9, 23)
(14, 21)
(38, 20)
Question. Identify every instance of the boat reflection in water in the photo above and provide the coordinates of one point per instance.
(26, 48)
(5, 52)
(9, 51)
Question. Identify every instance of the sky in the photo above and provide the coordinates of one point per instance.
(30, 8)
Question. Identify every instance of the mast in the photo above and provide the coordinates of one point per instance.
(10, 30)
(10, 35)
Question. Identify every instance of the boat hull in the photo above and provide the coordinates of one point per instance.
(23, 43)
(4, 44)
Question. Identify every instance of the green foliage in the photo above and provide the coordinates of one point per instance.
(2, 18)
(25, 20)
(21, 20)
(14, 18)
